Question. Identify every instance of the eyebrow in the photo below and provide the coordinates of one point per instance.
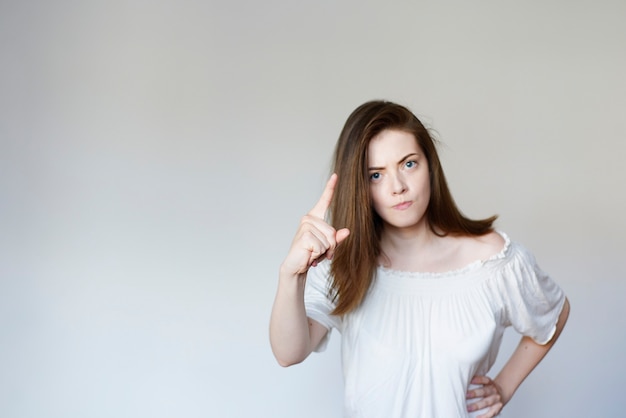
(403, 158)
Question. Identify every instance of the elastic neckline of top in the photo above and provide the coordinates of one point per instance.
(451, 273)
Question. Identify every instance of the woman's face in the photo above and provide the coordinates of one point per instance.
(399, 179)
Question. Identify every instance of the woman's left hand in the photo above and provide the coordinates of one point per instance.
(489, 396)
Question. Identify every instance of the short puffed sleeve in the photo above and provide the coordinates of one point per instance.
(317, 302)
(531, 299)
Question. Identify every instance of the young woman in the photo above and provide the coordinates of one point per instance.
(420, 293)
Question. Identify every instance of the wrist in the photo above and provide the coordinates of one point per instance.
(505, 393)
(286, 275)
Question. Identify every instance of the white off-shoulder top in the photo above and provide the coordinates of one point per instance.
(413, 345)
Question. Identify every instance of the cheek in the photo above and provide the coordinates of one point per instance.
(424, 183)
(427, 193)
(375, 199)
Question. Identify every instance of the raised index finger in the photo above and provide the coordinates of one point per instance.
(322, 205)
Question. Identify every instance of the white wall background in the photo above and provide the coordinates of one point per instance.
(156, 156)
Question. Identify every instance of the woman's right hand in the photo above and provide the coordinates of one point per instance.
(315, 238)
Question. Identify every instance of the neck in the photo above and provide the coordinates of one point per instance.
(406, 240)
(411, 249)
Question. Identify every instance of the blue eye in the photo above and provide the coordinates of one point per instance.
(374, 176)
(410, 164)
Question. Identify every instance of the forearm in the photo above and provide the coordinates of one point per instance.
(289, 327)
(292, 335)
(525, 358)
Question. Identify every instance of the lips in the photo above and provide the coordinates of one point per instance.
(403, 205)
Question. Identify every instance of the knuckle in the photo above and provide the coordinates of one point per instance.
(307, 235)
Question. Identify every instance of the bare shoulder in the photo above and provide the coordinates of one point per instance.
(483, 247)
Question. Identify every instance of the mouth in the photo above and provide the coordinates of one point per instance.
(403, 205)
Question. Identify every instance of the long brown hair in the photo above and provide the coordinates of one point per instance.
(355, 260)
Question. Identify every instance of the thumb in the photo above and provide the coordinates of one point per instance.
(341, 235)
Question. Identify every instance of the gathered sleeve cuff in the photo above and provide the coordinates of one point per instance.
(532, 301)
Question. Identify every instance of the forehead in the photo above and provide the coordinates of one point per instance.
(392, 143)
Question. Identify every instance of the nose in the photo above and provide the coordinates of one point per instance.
(398, 184)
